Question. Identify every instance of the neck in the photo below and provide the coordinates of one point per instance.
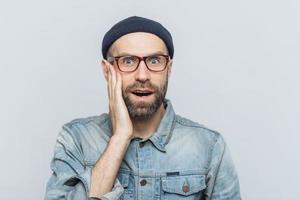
(145, 128)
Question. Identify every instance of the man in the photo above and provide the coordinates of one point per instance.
(141, 149)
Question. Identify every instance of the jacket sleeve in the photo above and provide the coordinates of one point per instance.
(70, 178)
(223, 183)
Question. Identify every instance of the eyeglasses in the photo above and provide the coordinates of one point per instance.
(130, 63)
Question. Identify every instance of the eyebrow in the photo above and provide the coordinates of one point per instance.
(154, 53)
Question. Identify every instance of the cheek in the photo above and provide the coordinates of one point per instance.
(159, 80)
(126, 82)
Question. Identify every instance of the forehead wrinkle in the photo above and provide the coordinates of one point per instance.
(124, 53)
(132, 44)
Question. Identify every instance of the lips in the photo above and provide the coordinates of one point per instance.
(142, 92)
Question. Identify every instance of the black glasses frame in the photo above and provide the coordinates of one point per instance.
(116, 58)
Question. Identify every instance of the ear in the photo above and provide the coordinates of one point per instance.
(105, 69)
(170, 68)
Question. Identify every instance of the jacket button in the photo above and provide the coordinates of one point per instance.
(141, 144)
(143, 182)
(185, 188)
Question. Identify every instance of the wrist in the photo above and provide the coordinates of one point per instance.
(121, 138)
(122, 135)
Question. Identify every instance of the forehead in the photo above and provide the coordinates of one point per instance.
(138, 43)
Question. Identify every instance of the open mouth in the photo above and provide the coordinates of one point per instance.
(142, 93)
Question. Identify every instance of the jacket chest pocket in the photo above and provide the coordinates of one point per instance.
(183, 187)
(124, 179)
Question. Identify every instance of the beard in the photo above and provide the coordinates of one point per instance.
(144, 110)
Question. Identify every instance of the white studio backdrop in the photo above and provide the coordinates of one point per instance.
(236, 69)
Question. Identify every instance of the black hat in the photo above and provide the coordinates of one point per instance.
(137, 24)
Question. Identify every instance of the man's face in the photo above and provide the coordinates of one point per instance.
(142, 79)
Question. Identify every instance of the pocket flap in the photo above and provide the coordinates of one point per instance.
(183, 184)
(124, 179)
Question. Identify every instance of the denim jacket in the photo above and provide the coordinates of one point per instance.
(181, 160)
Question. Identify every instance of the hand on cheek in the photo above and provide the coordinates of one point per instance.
(121, 122)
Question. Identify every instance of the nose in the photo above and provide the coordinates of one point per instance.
(142, 73)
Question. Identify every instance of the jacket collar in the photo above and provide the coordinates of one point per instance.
(163, 133)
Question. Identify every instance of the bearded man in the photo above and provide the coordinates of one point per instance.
(140, 149)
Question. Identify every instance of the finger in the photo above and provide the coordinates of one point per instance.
(113, 77)
(119, 84)
(111, 98)
(109, 84)
(106, 71)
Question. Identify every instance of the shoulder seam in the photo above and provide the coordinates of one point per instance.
(82, 120)
(195, 125)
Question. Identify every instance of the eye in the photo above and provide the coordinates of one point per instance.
(154, 60)
(128, 60)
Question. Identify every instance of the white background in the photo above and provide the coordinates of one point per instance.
(236, 69)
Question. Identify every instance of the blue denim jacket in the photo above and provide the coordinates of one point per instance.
(181, 160)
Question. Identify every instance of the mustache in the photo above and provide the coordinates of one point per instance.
(138, 84)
